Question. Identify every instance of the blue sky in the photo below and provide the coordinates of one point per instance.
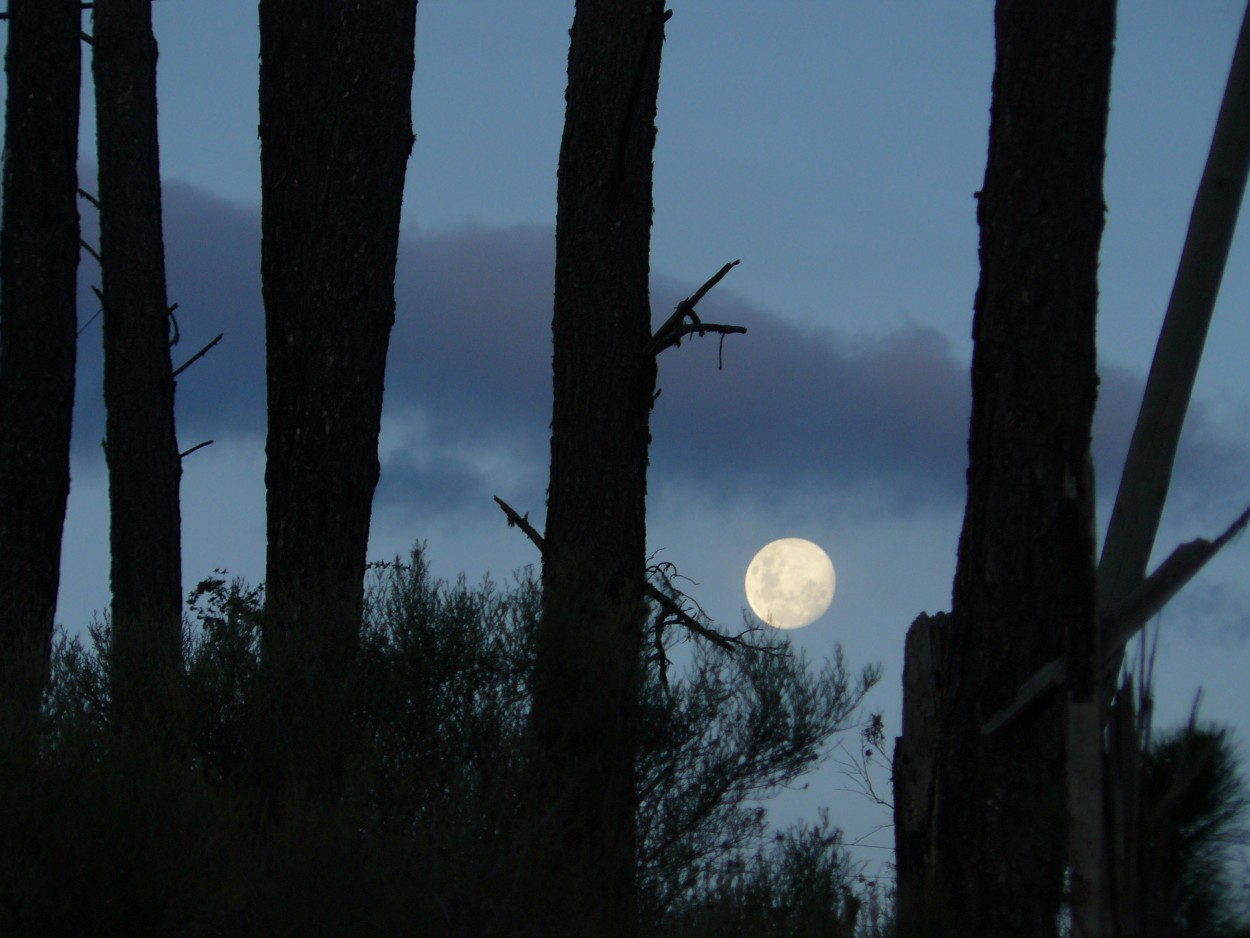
(834, 147)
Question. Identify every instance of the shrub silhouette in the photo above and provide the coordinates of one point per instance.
(105, 830)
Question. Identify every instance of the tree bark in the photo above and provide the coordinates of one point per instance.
(585, 709)
(336, 132)
(38, 319)
(141, 446)
(1025, 586)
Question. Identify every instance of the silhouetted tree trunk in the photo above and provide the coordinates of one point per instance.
(38, 270)
(336, 131)
(585, 706)
(985, 855)
(140, 445)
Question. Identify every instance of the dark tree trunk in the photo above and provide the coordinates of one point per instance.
(141, 446)
(586, 682)
(991, 844)
(336, 131)
(38, 270)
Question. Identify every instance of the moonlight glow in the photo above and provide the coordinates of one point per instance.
(790, 583)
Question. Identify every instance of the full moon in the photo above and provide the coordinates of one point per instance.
(790, 583)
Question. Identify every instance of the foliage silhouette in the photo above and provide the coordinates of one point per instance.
(1197, 804)
(798, 885)
(109, 831)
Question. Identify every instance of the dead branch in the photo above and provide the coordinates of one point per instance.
(522, 522)
(185, 454)
(1120, 623)
(670, 605)
(89, 197)
(675, 328)
(197, 356)
(666, 602)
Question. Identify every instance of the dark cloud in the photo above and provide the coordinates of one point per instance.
(793, 406)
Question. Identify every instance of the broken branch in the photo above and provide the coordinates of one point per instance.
(522, 522)
(675, 328)
(1123, 621)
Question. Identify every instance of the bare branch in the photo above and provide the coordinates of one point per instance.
(89, 197)
(675, 328)
(184, 455)
(701, 329)
(666, 602)
(711, 282)
(670, 605)
(197, 356)
(522, 522)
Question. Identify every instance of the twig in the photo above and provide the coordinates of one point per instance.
(89, 197)
(90, 250)
(83, 327)
(197, 356)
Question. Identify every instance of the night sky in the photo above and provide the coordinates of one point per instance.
(834, 147)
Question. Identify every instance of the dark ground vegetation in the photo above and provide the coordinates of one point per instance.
(112, 831)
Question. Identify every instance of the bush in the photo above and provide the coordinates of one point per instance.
(105, 831)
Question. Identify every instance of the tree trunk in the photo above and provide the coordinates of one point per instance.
(141, 446)
(584, 718)
(336, 131)
(38, 271)
(1025, 585)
